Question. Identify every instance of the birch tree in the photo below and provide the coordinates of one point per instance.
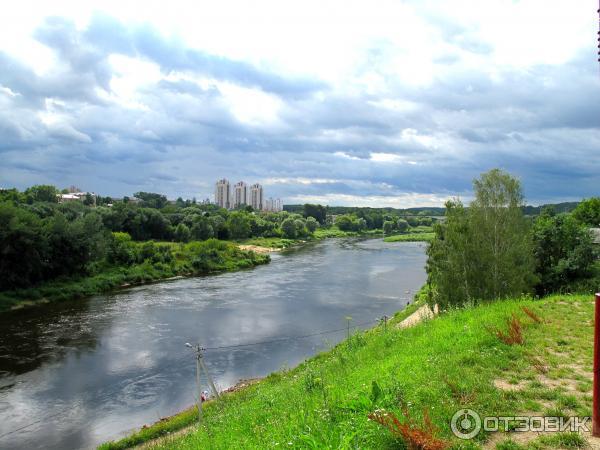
(483, 252)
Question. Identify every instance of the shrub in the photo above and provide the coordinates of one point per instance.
(288, 228)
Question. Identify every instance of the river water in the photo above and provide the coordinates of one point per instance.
(75, 374)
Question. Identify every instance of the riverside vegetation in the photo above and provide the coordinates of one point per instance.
(495, 348)
(53, 251)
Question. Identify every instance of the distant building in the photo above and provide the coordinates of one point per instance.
(223, 194)
(273, 205)
(230, 197)
(77, 197)
(240, 194)
(256, 197)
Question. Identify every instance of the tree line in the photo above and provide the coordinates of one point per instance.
(42, 239)
(491, 250)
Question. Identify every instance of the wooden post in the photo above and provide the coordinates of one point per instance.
(348, 319)
(209, 378)
(198, 356)
(596, 401)
(384, 320)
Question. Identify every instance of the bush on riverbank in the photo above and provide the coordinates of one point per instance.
(436, 368)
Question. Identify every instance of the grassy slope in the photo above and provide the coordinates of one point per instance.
(113, 277)
(440, 366)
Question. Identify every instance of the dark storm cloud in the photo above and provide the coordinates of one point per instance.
(65, 127)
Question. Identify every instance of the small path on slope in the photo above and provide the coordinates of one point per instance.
(424, 312)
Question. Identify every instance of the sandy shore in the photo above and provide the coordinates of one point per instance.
(259, 249)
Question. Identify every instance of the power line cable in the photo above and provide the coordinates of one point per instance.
(287, 338)
(185, 355)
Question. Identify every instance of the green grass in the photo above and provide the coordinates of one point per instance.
(410, 237)
(438, 366)
(335, 232)
(194, 258)
(320, 233)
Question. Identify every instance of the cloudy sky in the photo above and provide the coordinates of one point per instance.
(385, 103)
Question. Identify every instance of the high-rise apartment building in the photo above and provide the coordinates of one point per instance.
(230, 197)
(223, 194)
(240, 194)
(272, 205)
(256, 196)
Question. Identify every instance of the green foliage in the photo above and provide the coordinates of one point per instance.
(239, 224)
(122, 250)
(215, 255)
(425, 221)
(203, 228)
(134, 262)
(73, 246)
(388, 227)
(311, 224)
(588, 212)
(318, 212)
(151, 200)
(300, 225)
(563, 250)
(182, 233)
(432, 367)
(484, 252)
(402, 225)
(351, 223)
(22, 247)
(41, 193)
(288, 228)
(410, 237)
(564, 440)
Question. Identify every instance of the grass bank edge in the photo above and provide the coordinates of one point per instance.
(489, 359)
(189, 416)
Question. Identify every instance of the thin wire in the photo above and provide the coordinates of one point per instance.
(287, 338)
(33, 423)
(185, 355)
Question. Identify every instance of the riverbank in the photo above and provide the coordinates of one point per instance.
(410, 237)
(184, 260)
(461, 359)
(273, 244)
(168, 427)
(252, 252)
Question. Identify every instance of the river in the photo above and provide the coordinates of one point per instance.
(78, 373)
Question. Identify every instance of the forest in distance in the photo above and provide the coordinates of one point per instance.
(105, 243)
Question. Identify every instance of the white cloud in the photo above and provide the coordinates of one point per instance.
(410, 95)
(251, 106)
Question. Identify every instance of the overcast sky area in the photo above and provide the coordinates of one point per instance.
(387, 103)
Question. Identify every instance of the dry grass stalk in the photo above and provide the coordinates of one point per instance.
(514, 333)
(415, 437)
(532, 314)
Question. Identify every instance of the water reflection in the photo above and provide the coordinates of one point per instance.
(112, 363)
